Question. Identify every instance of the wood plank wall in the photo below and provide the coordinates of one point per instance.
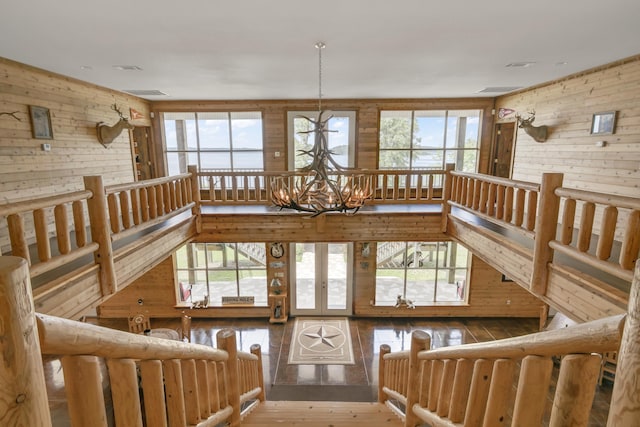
(567, 107)
(75, 108)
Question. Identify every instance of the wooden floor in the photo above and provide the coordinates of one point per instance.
(321, 414)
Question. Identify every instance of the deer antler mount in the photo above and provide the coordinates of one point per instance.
(107, 134)
(538, 133)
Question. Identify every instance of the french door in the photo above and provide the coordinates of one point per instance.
(321, 279)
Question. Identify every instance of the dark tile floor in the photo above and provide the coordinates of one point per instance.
(355, 382)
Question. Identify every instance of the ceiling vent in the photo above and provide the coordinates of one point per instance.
(145, 92)
(523, 64)
(499, 89)
(127, 67)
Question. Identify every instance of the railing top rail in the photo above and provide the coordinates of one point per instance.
(605, 199)
(531, 186)
(243, 355)
(43, 202)
(115, 188)
(346, 171)
(60, 336)
(597, 336)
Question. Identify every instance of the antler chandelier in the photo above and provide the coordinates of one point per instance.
(322, 186)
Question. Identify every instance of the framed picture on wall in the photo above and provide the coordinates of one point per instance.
(40, 122)
(603, 123)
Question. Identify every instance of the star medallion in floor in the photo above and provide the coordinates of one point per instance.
(324, 341)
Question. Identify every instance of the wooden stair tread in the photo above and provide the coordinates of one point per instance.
(321, 414)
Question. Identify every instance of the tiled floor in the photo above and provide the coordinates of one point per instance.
(344, 382)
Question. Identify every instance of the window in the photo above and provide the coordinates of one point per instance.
(424, 272)
(429, 139)
(341, 138)
(228, 141)
(214, 270)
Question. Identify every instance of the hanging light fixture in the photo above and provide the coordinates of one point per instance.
(324, 185)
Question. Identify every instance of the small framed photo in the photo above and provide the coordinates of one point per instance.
(40, 122)
(603, 123)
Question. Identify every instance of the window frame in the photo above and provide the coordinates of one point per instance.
(206, 270)
(292, 115)
(437, 270)
(457, 148)
(197, 150)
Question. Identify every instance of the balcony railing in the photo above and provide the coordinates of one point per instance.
(556, 223)
(254, 187)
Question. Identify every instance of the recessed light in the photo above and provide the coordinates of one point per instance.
(127, 67)
(86, 67)
(522, 64)
(561, 63)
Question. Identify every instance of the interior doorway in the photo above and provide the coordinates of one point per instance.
(502, 156)
(142, 154)
(321, 282)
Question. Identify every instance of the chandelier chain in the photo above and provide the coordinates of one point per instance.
(320, 46)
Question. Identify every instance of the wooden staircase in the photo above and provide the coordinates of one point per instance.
(321, 414)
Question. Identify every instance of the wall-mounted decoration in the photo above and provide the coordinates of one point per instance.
(504, 112)
(277, 250)
(13, 114)
(107, 134)
(276, 264)
(135, 114)
(40, 122)
(538, 133)
(603, 123)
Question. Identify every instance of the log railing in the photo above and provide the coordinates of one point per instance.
(182, 384)
(63, 217)
(619, 220)
(473, 384)
(388, 186)
(137, 206)
(512, 204)
(51, 232)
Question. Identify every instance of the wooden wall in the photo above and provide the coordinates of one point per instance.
(75, 108)
(567, 107)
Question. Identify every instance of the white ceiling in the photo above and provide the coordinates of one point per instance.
(259, 49)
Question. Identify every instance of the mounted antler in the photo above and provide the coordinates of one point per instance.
(107, 134)
(538, 133)
(6, 113)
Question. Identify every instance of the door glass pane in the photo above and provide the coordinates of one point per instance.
(306, 276)
(337, 276)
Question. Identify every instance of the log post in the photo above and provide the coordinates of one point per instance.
(83, 384)
(499, 392)
(382, 396)
(195, 194)
(23, 393)
(226, 340)
(19, 246)
(575, 390)
(153, 391)
(531, 396)
(446, 195)
(97, 207)
(125, 392)
(190, 391)
(545, 231)
(420, 341)
(255, 349)
(624, 410)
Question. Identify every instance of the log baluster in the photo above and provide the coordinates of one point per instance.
(531, 395)
(125, 393)
(153, 391)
